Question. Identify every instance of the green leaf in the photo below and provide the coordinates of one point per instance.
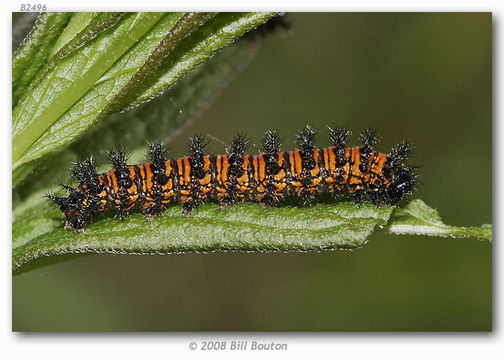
(86, 84)
(152, 121)
(38, 231)
(78, 22)
(186, 24)
(215, 34)
(36, 130)
(34, 51)
(82, 27)
(420, 219)
(243, 227)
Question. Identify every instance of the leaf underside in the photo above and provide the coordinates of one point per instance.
(154, 121)
(242, 227)
(416, 218)
(116, 62)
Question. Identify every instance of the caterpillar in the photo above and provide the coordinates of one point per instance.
(359, 172)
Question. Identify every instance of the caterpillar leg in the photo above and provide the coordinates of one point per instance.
(224, 205)
(149, 217)
(188, 207)
(151, 210)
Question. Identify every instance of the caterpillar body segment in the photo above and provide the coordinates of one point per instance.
(359, 172)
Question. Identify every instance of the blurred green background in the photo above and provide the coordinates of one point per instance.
(426, 77)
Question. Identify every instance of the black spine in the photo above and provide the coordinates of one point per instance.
(156, 155)
(85, 173)
(306, 140)
(338, 139)
(238, 146)
(196, 149)
(271, 146)
(196, 152)
(399, 154)
(368, 140)
(118, 159)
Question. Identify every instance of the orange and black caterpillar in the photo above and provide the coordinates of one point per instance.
(359, 172)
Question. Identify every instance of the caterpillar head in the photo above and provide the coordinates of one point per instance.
(75, 208)
(75, 220)
(402, 184)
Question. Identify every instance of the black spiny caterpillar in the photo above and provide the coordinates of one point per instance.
(359, 172)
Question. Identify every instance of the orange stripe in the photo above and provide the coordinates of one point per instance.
(346, 167)
(262, 168)
(109, 180)
(149, 174)
(206, 162)
(218, 165)
(225, 168)
(356, 161)
(299, 163)
(187, 170)
(132, 173)
(114, 181)
(327, 164)
(332, 161)
(256, 170)
(292, 163)
(281, 174)
(179, 166)
(244, 178)
(280, 159)
(180, 170)
(243, 181)
(326, 159)
(133, 188)
(208, 177)
(142, 176)
(168, 168)
(169, 184)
